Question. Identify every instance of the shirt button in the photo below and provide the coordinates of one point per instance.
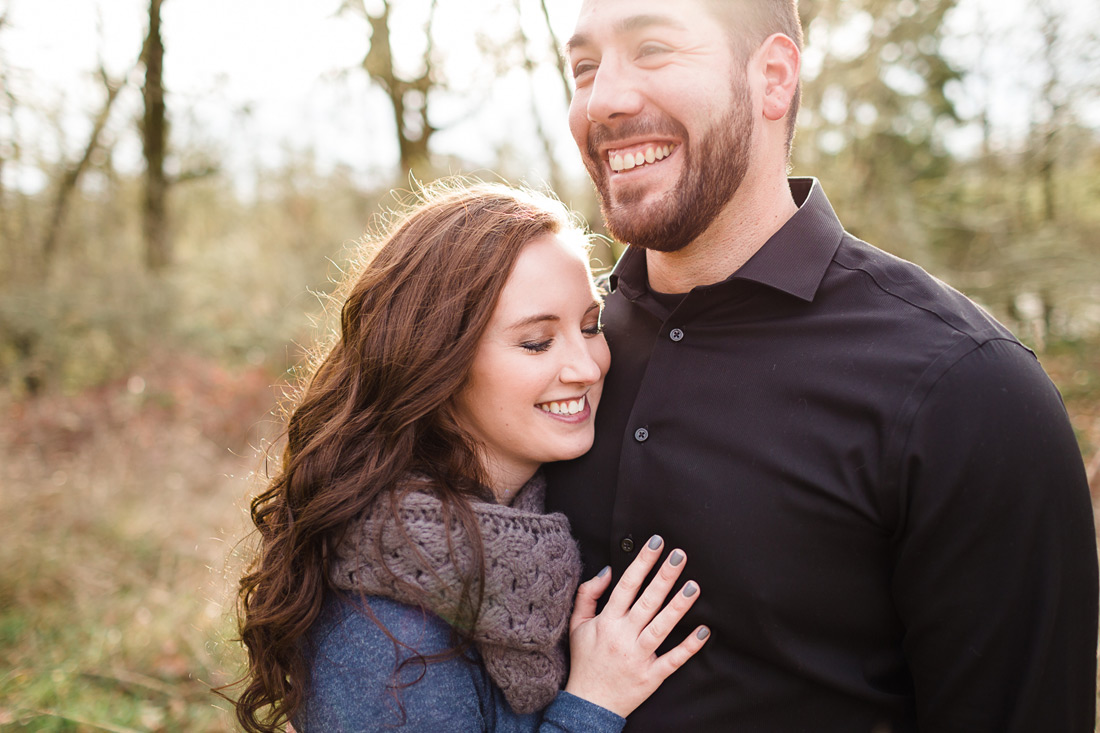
(641, 435)
(627, 545)
(676, 334)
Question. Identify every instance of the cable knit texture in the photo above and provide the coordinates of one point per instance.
(532, 566)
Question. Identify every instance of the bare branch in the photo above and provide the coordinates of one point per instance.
(563, 71)
(195, 174)
(71, 179)
(530, 66)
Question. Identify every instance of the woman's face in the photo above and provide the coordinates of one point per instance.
(536, 379)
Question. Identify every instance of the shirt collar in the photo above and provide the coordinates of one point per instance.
(793, 260)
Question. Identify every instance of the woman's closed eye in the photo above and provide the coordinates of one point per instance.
(536, 347)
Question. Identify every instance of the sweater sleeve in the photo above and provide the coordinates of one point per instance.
(995, 576)
(362, 680)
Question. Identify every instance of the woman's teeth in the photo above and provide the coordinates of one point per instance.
(569, 407)
(626, 161)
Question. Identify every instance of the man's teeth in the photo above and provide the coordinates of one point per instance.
(570, 407)
(624, 162)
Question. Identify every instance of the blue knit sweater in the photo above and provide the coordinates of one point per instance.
(352, 688)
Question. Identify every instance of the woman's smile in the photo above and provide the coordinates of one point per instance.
(568, 408)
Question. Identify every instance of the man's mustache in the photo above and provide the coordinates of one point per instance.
(601, 135)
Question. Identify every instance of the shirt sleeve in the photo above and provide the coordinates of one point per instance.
(995, 576)
(571, 714)
(354, 687)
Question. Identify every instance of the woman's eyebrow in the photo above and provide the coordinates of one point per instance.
(545, 317)
(532, 320)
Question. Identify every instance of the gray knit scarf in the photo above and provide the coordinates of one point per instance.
(532, 566)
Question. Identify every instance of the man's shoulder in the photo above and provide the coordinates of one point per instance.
(917, 293)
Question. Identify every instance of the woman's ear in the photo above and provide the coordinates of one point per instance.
(781, 61)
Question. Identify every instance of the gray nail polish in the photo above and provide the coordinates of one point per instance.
(690, 589)
(675, 558)
(655, 541)
(702, 633)
(606, 569)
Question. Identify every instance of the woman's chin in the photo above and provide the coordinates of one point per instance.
(575, 451)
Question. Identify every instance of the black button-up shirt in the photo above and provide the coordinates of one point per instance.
(876, 485)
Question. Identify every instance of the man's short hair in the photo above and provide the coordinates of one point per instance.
(749, 22)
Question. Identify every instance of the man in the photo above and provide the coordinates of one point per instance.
(876, 485)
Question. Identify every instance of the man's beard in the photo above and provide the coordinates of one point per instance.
(714, 167)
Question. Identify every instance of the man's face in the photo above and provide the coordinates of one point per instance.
(662, 116)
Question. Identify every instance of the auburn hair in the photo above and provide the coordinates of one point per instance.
(378, 407)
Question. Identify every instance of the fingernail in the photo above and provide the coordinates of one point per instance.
(675, 558)
(702, 633)
(603, 572)
(655, 541)
(690, 589)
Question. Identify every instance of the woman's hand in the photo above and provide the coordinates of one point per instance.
(614, 662)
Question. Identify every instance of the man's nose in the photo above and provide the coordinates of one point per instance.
(615, 93)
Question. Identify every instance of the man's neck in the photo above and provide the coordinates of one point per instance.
(749, 220)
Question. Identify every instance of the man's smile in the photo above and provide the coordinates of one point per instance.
(625, 159)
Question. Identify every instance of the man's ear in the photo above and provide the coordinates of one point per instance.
(781, 60)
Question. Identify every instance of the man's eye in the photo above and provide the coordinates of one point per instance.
(583, 68)
(652, 49)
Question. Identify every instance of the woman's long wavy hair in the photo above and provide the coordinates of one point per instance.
(379, 407)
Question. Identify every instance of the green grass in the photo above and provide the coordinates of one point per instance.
(117, 569)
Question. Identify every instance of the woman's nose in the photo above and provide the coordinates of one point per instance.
(581, 366)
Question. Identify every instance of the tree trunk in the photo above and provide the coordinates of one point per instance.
(408, 97)
(158, 245)
(5, 90)
(1052, 94)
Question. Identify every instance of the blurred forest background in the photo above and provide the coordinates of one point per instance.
(156, 284)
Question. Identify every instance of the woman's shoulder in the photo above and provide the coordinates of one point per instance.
(367, 664)
(350, 624)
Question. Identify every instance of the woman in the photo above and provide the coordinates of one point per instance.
(407, 573)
